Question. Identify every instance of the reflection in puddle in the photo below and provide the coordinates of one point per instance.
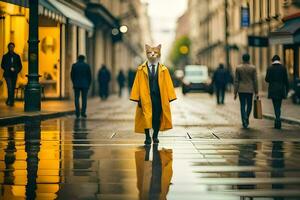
(72, 159)
(153, 176)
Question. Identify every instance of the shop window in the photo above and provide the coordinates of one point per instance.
(289, 61)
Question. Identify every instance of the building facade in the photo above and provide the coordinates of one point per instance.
(214, 36)
(68, 28)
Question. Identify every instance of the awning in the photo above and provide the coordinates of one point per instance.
(48, 10)
(23, 3)
(288, 33)
(73, 16)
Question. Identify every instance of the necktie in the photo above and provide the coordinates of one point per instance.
(152, 70)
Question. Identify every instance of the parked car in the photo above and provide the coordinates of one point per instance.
(196, 78)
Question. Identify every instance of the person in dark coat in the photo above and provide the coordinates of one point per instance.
(12, 65)
(81, 77)
(103, 81)
(121, 81)
(277, 77)
(220, 80)
(130, 79)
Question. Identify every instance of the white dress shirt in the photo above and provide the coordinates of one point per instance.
(150, 66)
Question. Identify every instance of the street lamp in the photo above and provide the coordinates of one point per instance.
(123, 29)
(33, 88)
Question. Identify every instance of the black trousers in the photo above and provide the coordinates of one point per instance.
(103, 91)
(83, 92)
(11, 85)
(246, 105)
(156, 112)
(277, 107)
(220, 92)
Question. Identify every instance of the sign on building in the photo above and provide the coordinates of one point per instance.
(245, 17)
(258, 41)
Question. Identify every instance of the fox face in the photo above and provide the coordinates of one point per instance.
(153, 53)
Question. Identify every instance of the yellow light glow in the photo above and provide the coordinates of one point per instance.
(184, 50)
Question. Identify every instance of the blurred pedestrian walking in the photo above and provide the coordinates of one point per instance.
(121, 81)
(103, 82)
(220, 81)
(130, 79)
(277, 77)
(245, 85)
(12, 65)
(81, 77)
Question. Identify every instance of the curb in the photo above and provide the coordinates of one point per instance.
(34, 116)
(283, 119)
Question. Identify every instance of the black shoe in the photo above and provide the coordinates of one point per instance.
(147, 141)
(83, 115)
(155, 140)
(245, 123)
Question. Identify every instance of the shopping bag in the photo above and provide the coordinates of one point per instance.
(257, 112)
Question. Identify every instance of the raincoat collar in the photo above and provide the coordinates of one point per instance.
(144, 67)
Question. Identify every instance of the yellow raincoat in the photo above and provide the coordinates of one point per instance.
(141, 92)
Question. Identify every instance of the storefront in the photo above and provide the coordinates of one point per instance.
(289, 36)
(56, 21)
(14, 27)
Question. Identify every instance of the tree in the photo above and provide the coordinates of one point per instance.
(180, 52)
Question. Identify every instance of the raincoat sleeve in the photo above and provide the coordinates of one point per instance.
(135, 91)
(170, 87)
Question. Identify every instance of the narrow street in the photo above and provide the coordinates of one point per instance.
(206, 156)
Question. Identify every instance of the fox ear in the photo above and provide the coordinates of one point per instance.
(159, 46)
(147, 46)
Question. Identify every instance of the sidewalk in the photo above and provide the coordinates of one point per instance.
(290, 113)
(50, 109)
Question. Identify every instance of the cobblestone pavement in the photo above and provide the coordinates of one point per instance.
(206, 156)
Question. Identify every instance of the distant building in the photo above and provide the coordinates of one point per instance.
(265, 17)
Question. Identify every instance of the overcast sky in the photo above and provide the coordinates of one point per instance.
(163, 15)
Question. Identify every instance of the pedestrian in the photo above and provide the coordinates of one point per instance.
(153, 90)
(220, 80)
(121, 81)
(12, 65)
(103, 82)
(277, 77)
(245, 85)
(81, 77)
(130, 79)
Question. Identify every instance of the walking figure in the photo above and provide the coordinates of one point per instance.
(121, 81)
(103, 82)
(12, 65)
(245, 85)
(153, 90)
(277, 77)
(81, 78)
(220, 80)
